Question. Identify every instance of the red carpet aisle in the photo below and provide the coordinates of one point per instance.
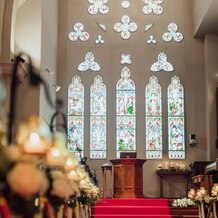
(132, 208)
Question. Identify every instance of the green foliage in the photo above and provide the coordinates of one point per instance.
(130, 109)
(121, 145)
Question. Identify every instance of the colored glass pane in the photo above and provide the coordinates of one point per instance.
(76, 116)
(176, 124)
(153, 119)
(98, 119)
(125, 101)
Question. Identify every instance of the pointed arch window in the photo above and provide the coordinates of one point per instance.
(153, 119)
(76, 116)
(125, 110)
(98, 119)
(176, 121)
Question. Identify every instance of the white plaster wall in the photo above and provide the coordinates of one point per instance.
(28, 30)
(49, 23)
(2, 5)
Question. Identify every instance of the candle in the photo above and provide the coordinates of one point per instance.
(183, 167)
(160, 167)
(34, 136)
(71, 164)
(166, 165)
(171, 165)
(177, 166)
(72, 175)
(35, 145)
(54, 157)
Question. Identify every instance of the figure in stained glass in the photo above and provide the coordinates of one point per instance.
(153, 121)
(176, 130)
(125, 113)
(76, 116)
(98, 119)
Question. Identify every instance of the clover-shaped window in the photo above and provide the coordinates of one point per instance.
(98, 6)
(153, 6)
(78, 33)
(172, 34)
(162, 64)
(89, 63)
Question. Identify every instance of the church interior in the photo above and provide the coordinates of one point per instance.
(132, 86)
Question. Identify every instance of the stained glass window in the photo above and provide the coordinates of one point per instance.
(125, 110)
(76, 116)
(153, 119)
(98, 119)
(176, 131)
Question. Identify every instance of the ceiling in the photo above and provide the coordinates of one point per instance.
(209, 24)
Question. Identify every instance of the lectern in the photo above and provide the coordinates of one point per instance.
(128, 177)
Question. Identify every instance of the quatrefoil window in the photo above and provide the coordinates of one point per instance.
(172, 34)
(78, 33)
(98, 6)
(125, 27)
(125, 59)
(153, 6)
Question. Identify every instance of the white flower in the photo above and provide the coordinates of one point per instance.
(208, 199)
(183, 202)
(26, 180)
(13, 153)
(60, 186)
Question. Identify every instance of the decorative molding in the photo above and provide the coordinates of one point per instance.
(148, 26)
(102, 26)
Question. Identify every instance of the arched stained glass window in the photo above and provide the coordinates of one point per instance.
(98, 119)
(153, 119)
(176, 123)
(76, 116)
(125, 103)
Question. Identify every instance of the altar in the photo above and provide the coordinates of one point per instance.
(128, 177)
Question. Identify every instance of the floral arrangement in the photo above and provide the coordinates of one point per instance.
(37, 172)
(201, 195)
(183, 202)
(206, 202)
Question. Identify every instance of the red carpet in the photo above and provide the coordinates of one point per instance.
(132, 208)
